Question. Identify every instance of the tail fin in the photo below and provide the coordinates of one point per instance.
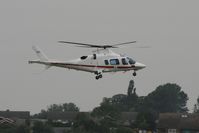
(40, 54)
(42, 57)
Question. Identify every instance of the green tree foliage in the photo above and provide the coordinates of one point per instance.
(66, 107)
(23, 129)
(106, 118)
(106, 110)
(131, 89)
(7, 129)
(123, 103)
(85, 124)
(166, 98)
(132, 99)
(196, 106)
(107, 115)
(40, 127)
(70, 107)
(41, 115)
(14, 129)
(55, 108)
(120, 102)
(63, 107)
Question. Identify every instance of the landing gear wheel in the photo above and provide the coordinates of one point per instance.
(100, 76)
(134, 74)
(97, 77)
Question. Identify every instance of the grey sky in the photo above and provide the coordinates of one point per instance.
(170, 27)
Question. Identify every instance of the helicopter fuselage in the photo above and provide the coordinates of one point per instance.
(104, 62)
(101, 61)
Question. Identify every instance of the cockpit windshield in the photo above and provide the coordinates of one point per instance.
(131, 61)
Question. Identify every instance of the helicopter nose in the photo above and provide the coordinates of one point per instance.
(140, 65)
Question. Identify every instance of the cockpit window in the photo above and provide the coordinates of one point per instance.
(124, 61)
(131, 61)
(106, 62)
(114, 62)
(83, 57)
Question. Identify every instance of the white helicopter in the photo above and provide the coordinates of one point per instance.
(103, 60)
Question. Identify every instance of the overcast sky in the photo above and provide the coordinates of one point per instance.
(170, 27)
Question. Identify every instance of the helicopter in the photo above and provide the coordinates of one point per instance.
(102, 60)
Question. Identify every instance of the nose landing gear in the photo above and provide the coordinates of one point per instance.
(134, 73)
(98, 75)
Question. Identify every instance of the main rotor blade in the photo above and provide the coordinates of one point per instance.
(124, 43)
(82, 44)
(86, 45)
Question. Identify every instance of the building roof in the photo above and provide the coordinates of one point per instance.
(179, 121)
(15, 114)
(8, 121)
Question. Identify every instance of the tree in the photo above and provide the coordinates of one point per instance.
(4, 128)
(40, 127)
(107, 115)
(84, 123)
(131, 101)
(70, 107)
(106, 109)
(23, 129)
(167, 98)
(14, 129)
(122, 102)
(131, 89)
(55, 108)
(196, 106)
(66, 107)
(63, 108)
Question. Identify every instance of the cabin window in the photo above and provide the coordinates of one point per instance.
(131, 61)
(114, 62)
(124, 61)
(106, 62)
(94, 56)
(83, 57)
